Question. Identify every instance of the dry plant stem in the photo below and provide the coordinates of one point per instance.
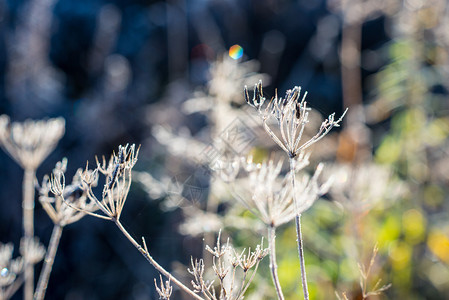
(273, 264)
(12, 289)
(28, 227)
(299, 232)
(350, 69)
(48, 263)
(209, 237)
(241, 293)
(150, 259)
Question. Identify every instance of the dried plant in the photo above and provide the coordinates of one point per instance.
(226, 261)
(57, 206)
(269, 195)
(291, 114)
(32, 250)
(67, 205)
(220, 102)
(342, 297)
(365, 272)
(29, 143)
(164, 290)
(365, 276)
(11, 271)
(117, 173)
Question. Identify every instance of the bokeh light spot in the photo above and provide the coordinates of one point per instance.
(4, 272)
(236, 51)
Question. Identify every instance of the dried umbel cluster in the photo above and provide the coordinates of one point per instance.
(291, 114)
(365, 277)
(117, 173)
(12, 270)
(164, 290)
(226, 263)
(30, 142)
(32, 250)
(69, 203)
(267, 191)
(361, 187)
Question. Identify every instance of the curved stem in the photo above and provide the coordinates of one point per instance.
(273, 265)
(151, 260)
(48, 263)
(28, 227)
(299, 232)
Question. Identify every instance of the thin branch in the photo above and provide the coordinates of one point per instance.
(48, 263)
(149, 258)
(298, 231)
(28, 227)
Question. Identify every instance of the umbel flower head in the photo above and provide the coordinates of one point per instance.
(291, 114)
(117, 173)
(271, 192)
(10, 269)
(225, 263)
(70, 202)
(30, 142)
(32, 250)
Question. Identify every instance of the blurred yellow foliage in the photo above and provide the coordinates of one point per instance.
(438, 243)
(390, 231)
(437, 131)
(414, 226)
(400, 254)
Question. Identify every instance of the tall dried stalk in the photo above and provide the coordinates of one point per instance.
(299, 231)
(115, 192)
(273, 264)
(144, 251)
(48, 262)
(29, 143)
(28, 226)
(60, 213)
(291, 114)
(273, 202)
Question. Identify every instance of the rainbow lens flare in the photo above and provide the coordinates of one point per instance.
(236, 51)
